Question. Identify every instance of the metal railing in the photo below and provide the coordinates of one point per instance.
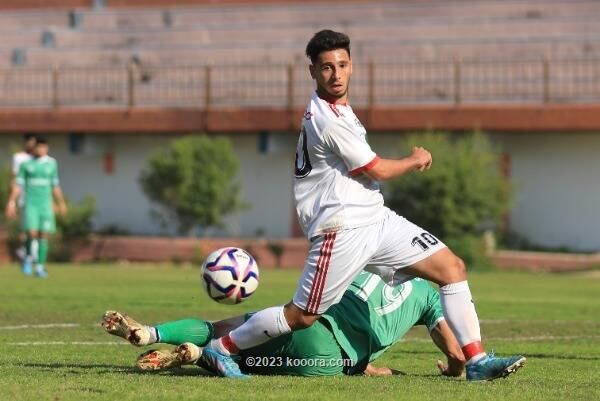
(452, 82)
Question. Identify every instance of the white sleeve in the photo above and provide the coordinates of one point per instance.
(352, 148)
(15, 165)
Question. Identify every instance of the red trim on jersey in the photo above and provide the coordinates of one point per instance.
(472, 349)
(316, 292)
(366, 167)
(229, 345)
(335, 110)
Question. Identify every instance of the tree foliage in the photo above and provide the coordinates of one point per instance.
(463, 194)
(193, 182)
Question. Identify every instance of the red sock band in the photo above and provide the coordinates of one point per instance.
(472, 349)
(229, 345)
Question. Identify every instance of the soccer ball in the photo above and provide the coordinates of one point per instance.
(230, 275)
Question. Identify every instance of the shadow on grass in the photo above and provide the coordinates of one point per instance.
(110, 369)
(74, 368)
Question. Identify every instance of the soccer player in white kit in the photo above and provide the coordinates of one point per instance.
(342, 213)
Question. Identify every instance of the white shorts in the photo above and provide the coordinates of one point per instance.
(335, 259)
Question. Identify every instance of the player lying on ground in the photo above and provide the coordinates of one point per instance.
(371, 317)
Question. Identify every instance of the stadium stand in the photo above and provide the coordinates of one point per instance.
(188, 54)
(108, 68)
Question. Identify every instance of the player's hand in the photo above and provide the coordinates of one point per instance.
(453, 369)
(421, 158)
(62, 209)
(11, 210)
(371, 370)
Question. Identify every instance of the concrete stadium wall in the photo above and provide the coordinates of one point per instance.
(557, 187)
(555, 177)
(293, 252)
(264, 180)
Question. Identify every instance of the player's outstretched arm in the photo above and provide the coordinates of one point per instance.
(387, 169)
(443, 337)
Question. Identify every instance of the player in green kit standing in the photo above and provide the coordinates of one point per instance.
(38, 178)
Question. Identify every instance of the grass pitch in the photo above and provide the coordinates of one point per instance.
(52, 348)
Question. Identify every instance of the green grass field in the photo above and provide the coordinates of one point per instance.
(554, 320)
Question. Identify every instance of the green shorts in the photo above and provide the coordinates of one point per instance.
(38, 219)
(309, 352)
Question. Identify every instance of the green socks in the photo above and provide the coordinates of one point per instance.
(42, 251)
(195, 331)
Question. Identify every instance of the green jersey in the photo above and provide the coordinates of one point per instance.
(370, 318)
(372, 315)
(37, 177)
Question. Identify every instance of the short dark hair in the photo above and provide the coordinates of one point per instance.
(28, 136)
(326, 40)
(41, 140)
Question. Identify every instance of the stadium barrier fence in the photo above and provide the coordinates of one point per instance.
(451, 82)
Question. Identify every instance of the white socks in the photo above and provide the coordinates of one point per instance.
(154, 338)
(260, 328)
(459, 311)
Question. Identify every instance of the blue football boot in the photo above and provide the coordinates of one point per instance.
(41, 272)
(491, 367)
(221, 364)
(26, 268)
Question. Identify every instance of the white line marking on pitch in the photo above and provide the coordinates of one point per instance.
(40, 326)
(531, 338)
(408, 340)
(46, 343)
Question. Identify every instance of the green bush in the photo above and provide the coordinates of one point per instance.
(472, 250)
(73, 230)
(193, 182)
(463, 194)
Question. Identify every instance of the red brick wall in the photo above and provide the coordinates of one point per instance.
(545, 261)
(149, 249)
(4, 253)
(158, 249)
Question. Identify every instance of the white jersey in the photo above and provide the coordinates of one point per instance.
(18, 159)
(330, 192)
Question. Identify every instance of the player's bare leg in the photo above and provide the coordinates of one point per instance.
(449, 272)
